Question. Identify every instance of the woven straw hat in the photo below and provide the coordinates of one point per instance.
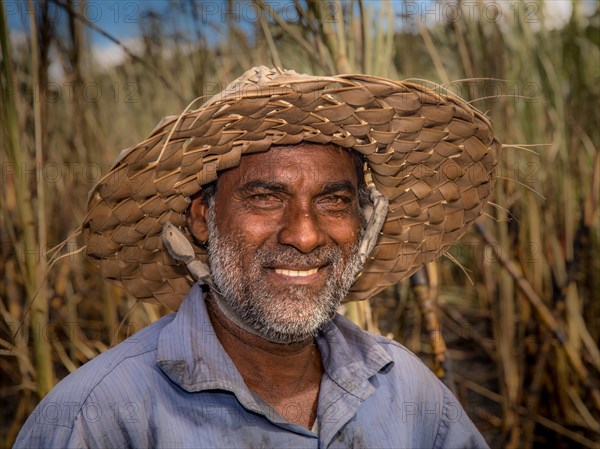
(431, 155)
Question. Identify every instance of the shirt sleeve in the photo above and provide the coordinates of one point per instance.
(37, 435)
(456, 430)
(90, 426)
(72, 416)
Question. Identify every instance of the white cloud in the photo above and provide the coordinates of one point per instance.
(112, 54)
(18, 39)
(557, 13)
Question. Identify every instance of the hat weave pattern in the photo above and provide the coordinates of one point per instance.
(431, 155)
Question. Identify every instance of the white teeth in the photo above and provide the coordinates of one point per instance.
(295, 273)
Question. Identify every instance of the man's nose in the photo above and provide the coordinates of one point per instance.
(301, 229)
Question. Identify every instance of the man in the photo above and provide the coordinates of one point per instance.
(267, 184)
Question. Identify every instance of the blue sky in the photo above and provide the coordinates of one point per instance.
(118, 18)
(122, 19)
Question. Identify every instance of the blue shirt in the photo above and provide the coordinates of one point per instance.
(172, 385)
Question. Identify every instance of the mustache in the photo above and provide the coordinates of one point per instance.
(288, 255)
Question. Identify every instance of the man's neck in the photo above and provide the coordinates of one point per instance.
(281, 374)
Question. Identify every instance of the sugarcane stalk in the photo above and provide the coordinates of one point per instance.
(31, 249)
(428, 309)
(543, 311)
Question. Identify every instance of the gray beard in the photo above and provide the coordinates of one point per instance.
(287, 314)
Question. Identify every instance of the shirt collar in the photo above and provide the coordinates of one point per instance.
(190, 353)
(351, 356)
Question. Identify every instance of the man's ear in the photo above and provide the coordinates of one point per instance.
(196, 219)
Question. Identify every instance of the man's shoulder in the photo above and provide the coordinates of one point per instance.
(131, 361)
(88, 405)
(408, 389)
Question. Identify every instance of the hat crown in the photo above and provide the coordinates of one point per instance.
(256, 77)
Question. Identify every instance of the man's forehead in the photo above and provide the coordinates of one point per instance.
(308, 163)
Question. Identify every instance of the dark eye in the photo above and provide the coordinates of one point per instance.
(335, 202)
(264, 200)
(263, 196)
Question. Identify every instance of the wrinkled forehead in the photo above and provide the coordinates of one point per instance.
(288, 163)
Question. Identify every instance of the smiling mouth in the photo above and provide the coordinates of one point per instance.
(296, 273)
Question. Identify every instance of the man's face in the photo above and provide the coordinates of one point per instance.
(283, 235)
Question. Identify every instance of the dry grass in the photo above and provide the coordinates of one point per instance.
(521, 340)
